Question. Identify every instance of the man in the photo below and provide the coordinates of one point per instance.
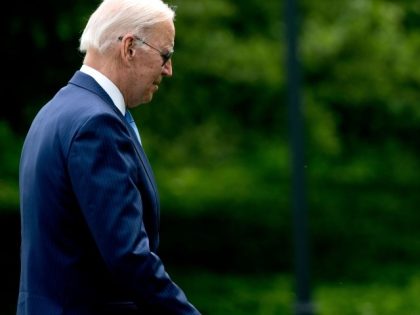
(89, 203)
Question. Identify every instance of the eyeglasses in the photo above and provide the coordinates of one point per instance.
(165, 56)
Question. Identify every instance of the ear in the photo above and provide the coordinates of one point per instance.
(127, 49)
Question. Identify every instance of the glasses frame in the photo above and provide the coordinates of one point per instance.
(165, 56)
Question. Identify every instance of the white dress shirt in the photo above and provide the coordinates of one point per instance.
(109, 87)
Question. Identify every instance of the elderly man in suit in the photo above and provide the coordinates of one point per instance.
(89, 202)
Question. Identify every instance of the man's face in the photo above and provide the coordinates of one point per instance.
(149, 66)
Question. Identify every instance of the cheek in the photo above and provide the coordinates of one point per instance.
(149, 76)
(144, 81)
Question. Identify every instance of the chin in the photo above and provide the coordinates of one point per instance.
(146, 100)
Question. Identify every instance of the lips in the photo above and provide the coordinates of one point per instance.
(156, 85)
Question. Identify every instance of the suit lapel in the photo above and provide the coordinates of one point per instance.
(87, 82)
(142, 155)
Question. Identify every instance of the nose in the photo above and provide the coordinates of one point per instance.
(167, 69)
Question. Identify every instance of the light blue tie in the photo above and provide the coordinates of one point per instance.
(132, 123)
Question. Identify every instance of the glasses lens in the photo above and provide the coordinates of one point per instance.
(166, 57)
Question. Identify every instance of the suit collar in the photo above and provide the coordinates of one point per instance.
(110, 88)
(85, 81)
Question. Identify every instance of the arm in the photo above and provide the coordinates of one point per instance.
(103, 167)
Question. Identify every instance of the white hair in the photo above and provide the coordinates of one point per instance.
(115, 18)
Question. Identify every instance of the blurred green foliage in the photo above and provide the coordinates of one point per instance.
(10, 145)
(217, 132)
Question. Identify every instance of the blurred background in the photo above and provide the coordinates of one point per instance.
(217, 135)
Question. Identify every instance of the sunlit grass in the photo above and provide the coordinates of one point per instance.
(225, 294)
(369, 299)
(220, 294)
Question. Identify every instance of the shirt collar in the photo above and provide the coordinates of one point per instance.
(109, 87)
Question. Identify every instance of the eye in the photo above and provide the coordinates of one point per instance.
(167, 56)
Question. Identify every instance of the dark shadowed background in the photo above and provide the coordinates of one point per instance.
(217, 137)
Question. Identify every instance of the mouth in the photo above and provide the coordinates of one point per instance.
(156, 85)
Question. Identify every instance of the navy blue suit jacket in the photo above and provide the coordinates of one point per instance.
(89, 213)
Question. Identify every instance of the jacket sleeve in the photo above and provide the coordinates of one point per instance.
(103, 166)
